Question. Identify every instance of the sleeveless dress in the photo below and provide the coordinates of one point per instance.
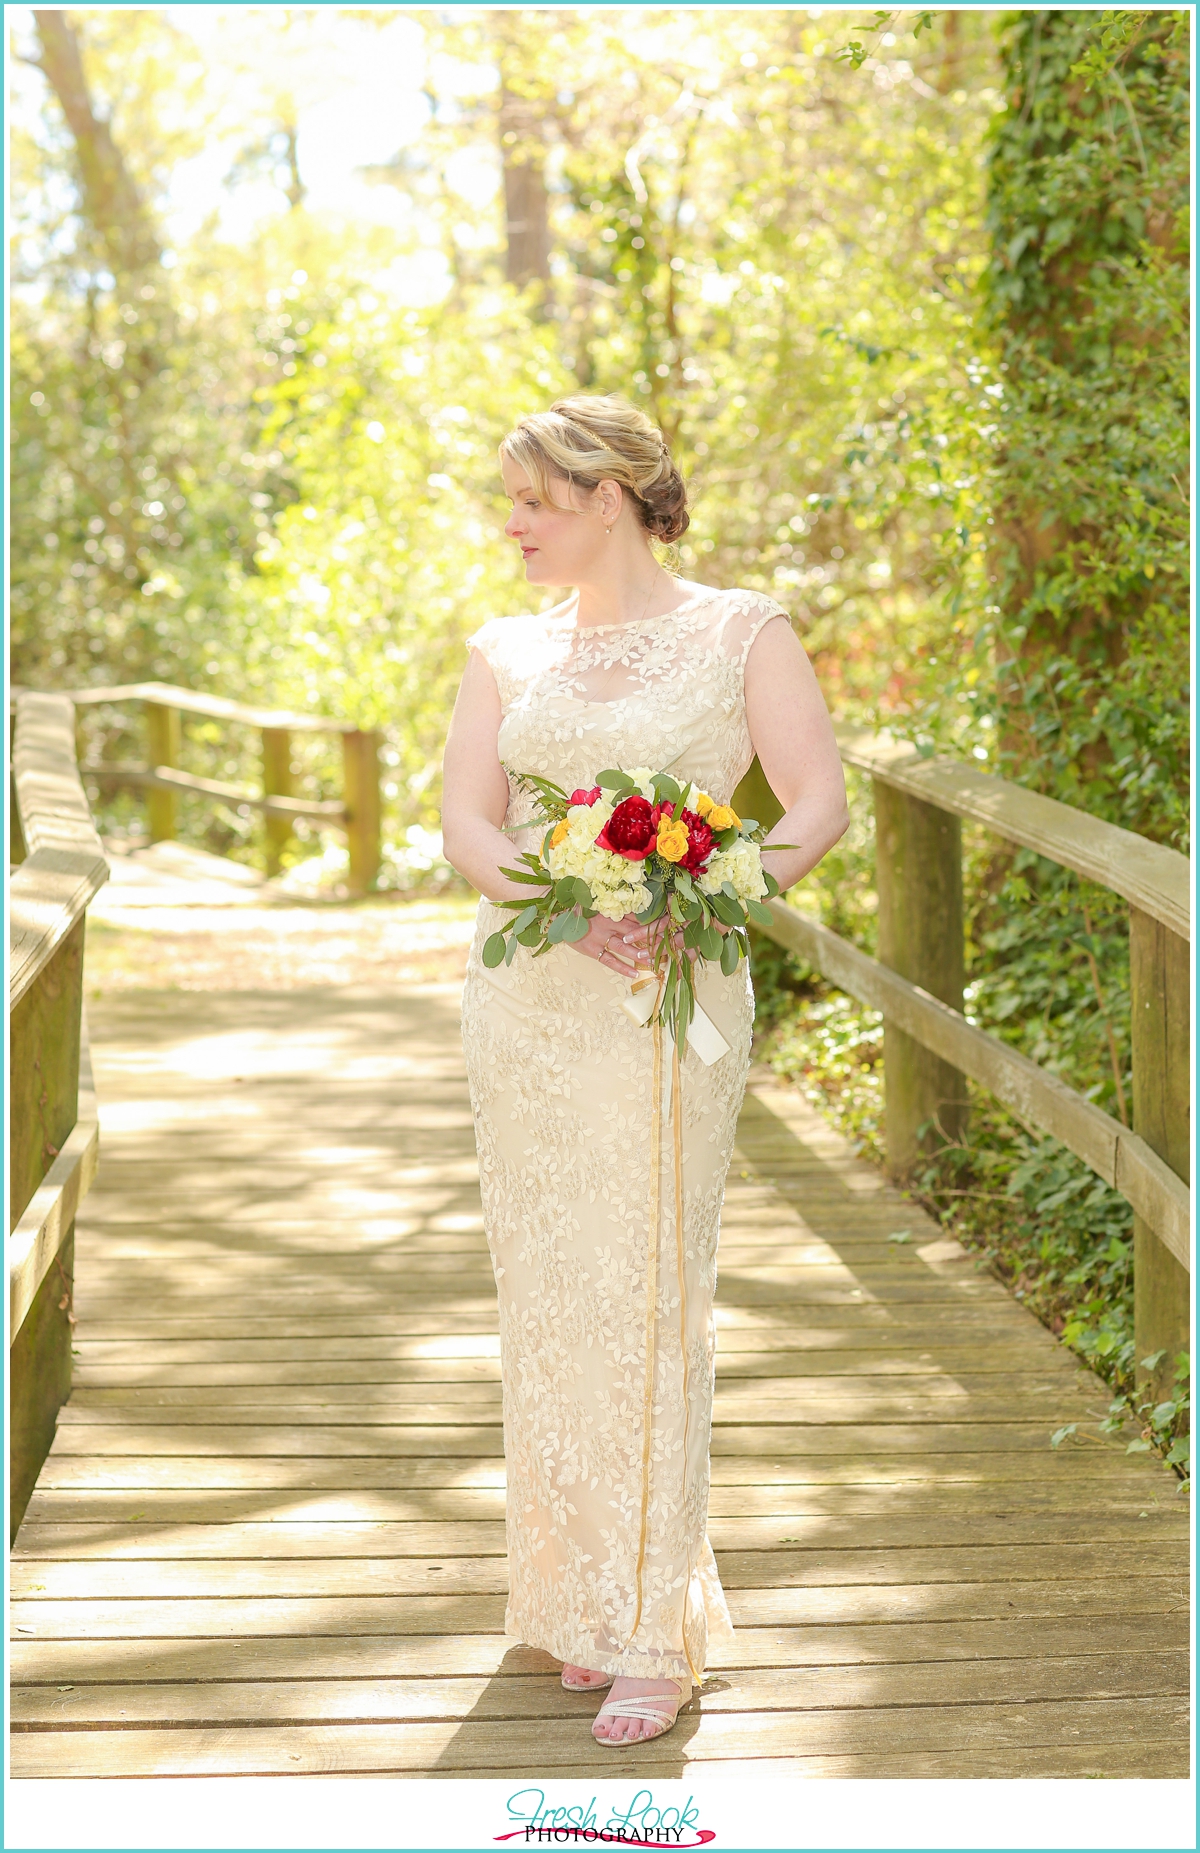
(609, 1561)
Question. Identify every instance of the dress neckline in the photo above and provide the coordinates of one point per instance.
(637, 624)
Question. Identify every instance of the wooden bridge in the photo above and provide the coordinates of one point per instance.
(266, 1536)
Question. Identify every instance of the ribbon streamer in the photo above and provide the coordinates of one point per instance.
(641, 1007)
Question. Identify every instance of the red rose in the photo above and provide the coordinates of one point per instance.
(700, 842)
(585, 797)
(631, 830)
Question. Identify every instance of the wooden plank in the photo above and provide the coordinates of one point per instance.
(937, 1437)
(1162, 1760)
(1148, 875)
(1036, 1096)
(1113, 1510)
(561, 1744)
(356, 1535)
(798, 1368)
(1069, 1472)
(1009, 1566)
(479, 1406)
(482, 1700)
(215, 1616)
(42, 1663)
(982, 1398)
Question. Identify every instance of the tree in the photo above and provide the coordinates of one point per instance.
(1086, 294)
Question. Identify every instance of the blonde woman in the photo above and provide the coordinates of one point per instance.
(610, 1568)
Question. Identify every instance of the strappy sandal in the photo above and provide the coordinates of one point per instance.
(588, 1685)
(653, 1708)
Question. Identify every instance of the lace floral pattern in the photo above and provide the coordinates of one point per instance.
(561, 1085)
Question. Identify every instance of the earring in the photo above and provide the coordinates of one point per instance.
(608, 531)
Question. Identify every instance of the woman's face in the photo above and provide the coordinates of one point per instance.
(560, 546)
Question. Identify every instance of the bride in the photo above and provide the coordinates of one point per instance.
(606, 1435)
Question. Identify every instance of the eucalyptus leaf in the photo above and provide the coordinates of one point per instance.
(493, 950)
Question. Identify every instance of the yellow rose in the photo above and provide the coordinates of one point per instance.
(703, 804)
(561, 832)
(723, 817)
(672, 844)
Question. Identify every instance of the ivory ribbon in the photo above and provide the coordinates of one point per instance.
(703, 1034)
(667, 1096)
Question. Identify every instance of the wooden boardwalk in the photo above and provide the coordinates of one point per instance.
(269, 1538)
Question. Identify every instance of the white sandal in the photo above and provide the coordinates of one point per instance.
(644, 1708)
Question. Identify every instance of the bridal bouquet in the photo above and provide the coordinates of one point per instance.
(641, 843)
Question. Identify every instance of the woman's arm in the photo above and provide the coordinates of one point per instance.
(793, 736)
(475, 787)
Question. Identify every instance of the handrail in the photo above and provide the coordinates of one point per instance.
(1124, 1161)
(930, 1049)
(65, 863)
(216, 707)
(1148, 875)
(53, 1124)
(358, 812)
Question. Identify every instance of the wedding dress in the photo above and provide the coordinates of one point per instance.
(609, 1561)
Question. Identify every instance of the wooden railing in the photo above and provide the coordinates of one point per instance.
(358, 811)
(930, 1050)
(53, 1130)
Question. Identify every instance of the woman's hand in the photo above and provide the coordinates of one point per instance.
(625, 947)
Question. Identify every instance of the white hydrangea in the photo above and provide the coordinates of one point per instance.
(621, 899)
(741, 866)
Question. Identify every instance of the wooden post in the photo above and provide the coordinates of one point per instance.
(277, 782)
(919, 880)
(360, 787)
(1159, 999)
(162, 726)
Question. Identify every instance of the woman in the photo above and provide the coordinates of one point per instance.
(609, 1564)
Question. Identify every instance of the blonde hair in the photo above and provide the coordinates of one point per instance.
(592, 438)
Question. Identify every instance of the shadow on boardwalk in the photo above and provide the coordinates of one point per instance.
(269, 1538)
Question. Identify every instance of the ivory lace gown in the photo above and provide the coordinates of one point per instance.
(561, 1085)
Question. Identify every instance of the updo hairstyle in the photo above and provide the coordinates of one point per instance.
(591, 438)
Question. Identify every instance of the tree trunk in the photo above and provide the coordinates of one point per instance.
(111, 202)
(526, 219)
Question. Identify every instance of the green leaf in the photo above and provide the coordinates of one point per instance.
(709, 943)
(523, 920)
(666, 789)
(729, 911)
(574, 927)
(731, 954)
(758, 912)
(493, 950)
(615, 780)
(532, 881)
(1060, 1434)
